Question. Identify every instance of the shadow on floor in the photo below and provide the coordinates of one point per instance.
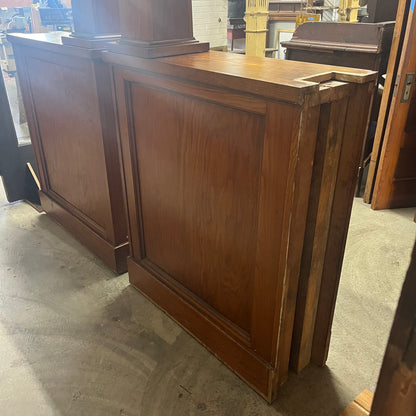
(79, 341)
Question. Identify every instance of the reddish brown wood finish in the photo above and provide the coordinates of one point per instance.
(395, 184)
(356, 123)
(217, 194)
(330, 137)
(73, 130)
(389, 87)
(155, 28)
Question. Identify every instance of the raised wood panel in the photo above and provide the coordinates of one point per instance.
(199, 197)
(69, 105)
(389, 87)
(218, 177)
(68, 119)
(211, 212)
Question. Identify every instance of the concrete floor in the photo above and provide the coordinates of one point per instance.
(77, 340)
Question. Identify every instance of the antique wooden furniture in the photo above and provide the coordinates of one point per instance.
(393, 174)
(72, 124)
(359, 46)
(239, 175)
(389, 90)
(218, 190)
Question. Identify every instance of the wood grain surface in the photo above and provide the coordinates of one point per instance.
(155, 28)
(395, 184)
(393, 64)
(356, 124)
(326, 163)
(72, 125)
(218, 182)
(281, 80)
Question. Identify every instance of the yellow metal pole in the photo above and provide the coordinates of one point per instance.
(348, 10)
(257, 15)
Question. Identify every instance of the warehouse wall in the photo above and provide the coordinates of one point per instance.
(210, 21)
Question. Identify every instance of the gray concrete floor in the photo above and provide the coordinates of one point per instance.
(77, 340)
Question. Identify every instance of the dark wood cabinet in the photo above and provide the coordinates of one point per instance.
(237, 173)
(72, 125)
(222, 155)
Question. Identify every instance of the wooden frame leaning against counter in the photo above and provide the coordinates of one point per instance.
(224, 157)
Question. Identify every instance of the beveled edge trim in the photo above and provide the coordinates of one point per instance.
(113, 256)
(252, 369)
(239, 101)
(198, 303)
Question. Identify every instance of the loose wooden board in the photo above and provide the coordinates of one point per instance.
(361, 406)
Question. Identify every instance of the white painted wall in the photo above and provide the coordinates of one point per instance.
(210, 21)
(330, 15)
(284, 37)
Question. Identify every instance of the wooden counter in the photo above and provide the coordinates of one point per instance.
(231, 164)
(72, 125)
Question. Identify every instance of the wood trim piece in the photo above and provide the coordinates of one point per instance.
(249, 367)
(266, 78)
(117, 233)
(302, 179)
(395, 52)
(205, 92)
(357, 123)
(113, 257)
(327, 159)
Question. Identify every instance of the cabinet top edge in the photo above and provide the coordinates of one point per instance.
(52, 42)
(288, 81)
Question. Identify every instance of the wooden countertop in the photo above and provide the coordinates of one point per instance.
(289, 81)
(52, 41)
